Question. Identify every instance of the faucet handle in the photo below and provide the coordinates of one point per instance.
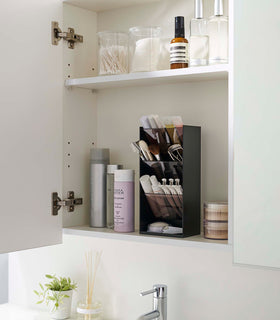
(144, 293)
(159, 291)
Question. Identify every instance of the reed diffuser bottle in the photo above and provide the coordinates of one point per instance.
(90, 308)
(199, 40)
(218, 35)
(179, 46)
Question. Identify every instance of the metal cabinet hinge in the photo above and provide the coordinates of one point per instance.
(69, 36)
(70, 202)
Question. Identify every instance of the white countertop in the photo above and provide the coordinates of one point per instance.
(14, 312)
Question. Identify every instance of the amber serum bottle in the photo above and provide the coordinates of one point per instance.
(179, 46)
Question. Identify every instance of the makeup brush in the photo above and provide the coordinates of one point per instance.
(145, 150)
(158, 166)
(135, 148)
(155, 150)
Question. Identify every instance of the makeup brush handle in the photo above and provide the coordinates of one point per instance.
(162, 140)
(145, 150)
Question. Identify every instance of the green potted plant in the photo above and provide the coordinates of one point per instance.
(57, 294)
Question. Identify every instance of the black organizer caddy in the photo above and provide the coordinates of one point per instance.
(179, 211)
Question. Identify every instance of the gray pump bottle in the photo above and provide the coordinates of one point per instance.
(99, 159)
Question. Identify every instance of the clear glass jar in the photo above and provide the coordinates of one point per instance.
(144, 48)
(113, 52)
(91, 311)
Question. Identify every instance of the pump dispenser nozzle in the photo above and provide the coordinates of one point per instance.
(198, 9)
(218, 8)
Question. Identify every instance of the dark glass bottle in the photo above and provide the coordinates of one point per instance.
(179, 46)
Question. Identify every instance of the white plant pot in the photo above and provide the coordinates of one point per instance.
(64, 309)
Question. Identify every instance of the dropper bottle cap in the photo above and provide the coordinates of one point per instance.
(218, 9)
(198, 9)
(171, 181)
(179, 27)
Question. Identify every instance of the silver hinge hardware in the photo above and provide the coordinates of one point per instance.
(69, 36)
(70, 202)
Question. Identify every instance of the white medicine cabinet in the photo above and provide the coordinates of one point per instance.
(54, 109)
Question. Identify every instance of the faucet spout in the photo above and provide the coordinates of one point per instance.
(150, 316)
(160, 303)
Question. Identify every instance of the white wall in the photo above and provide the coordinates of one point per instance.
(202, 284)
(3, 278)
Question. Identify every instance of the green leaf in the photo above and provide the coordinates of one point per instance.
(49, 276)
(41, 301)
(36, 292)
(41, 286)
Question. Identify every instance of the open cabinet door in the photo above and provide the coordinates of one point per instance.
(256, 133)
(30, 124)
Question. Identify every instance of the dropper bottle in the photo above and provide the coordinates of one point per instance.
(199, 40)
(179, 46)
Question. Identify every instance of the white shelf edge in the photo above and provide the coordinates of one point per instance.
(206, 73)
(103, 233)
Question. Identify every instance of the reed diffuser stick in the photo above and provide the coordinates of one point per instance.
(91, 275)
(96, 265)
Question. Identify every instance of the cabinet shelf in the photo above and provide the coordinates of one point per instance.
(195, 241)
(207, 73)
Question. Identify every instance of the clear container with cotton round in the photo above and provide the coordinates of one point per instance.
(113, 52)
(144, 49)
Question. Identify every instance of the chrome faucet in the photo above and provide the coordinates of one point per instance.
(160, 303)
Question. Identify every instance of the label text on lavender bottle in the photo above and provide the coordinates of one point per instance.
(124, 206)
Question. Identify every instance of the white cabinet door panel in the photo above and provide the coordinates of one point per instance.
(30, 124)
(257, 133)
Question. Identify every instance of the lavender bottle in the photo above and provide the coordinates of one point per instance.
(124, 201)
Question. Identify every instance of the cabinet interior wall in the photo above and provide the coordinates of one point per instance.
(110, 117)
